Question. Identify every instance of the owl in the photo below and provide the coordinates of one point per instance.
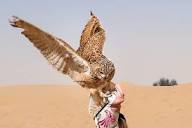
(87, 65)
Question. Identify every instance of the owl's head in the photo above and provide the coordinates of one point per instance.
(104, 70)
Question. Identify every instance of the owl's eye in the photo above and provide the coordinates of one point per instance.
(101, 72)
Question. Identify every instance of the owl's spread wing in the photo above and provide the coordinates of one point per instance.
(55, 50)
(93, 35)
(93, 50)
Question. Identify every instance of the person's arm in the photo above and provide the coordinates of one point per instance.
(120, 98)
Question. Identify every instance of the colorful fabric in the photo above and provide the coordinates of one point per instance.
(107, 116)
(107, 119)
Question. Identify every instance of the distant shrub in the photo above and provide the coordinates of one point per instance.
(173, 82)
(165, 82)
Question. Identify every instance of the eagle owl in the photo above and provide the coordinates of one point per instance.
(87, 65)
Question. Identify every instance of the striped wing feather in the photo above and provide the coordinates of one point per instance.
(55, 50)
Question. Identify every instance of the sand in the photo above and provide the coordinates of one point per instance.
(43, 106)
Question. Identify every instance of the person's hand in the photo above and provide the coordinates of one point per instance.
(116, 105)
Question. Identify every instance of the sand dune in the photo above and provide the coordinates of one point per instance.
(66, 107)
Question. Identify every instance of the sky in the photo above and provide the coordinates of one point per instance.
(146, 39)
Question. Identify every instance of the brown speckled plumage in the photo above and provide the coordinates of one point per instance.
(87, 66)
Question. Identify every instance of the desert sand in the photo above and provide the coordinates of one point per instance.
(53, 106)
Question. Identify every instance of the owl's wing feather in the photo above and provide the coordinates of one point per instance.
(92, 33)
(93, 50)
(56, 51)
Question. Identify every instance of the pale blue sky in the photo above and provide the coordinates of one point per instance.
(146, 39)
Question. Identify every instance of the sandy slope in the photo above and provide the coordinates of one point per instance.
(66, 107)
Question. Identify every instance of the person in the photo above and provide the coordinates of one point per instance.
(108, 114)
